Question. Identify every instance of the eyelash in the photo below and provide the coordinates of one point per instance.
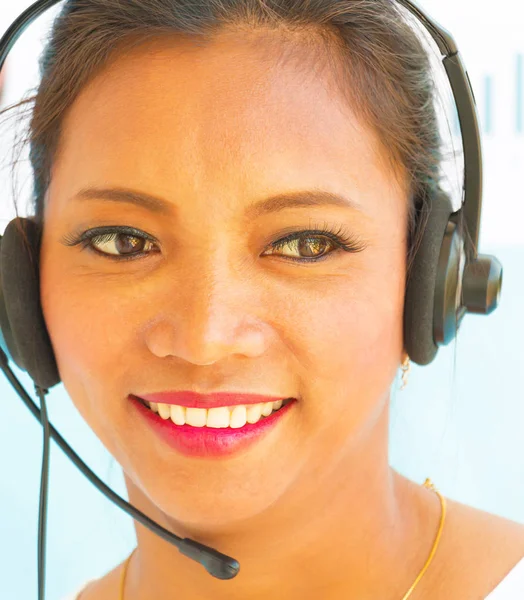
(342, 240)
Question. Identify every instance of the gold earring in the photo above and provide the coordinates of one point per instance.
(406, 368)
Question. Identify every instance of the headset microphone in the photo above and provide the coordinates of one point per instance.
(28, 345)
(448, 278)
(217, 564)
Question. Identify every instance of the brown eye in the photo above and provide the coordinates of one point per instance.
(126, 244)
(307, 246)
(114, 242)
(119, 244)
(311, 244)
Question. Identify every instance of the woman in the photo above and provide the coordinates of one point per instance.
(229, 193)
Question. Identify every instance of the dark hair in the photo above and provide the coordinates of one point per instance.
(378, 60)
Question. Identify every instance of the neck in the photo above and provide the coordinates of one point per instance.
(358, 528)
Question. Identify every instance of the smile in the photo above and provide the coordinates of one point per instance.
(216, 432)
(218, 418)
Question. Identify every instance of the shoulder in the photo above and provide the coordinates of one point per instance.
(478, 550)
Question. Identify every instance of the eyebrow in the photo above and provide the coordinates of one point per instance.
(278, 202)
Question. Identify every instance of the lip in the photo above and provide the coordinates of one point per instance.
(207, 441)
(195, 400)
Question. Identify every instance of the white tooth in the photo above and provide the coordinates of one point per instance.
(254, 412)
(153, 406)
(218, 417)
(238, 417)
(164, 410)
(178, 414)
(277, 404)
(196, 417)
(267, 409)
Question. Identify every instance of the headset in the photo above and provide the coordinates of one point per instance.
(448, 279)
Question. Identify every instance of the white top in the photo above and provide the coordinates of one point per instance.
(510, 588)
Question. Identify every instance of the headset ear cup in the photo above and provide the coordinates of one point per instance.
(6, 341)
(25, 332)
(421, 287)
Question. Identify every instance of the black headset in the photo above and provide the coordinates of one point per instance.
(448, 279)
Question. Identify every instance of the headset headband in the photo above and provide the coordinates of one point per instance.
(460, 85)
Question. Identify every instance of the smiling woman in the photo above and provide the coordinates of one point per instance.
(231, 195)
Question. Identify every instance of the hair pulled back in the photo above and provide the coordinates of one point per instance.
(379, 61)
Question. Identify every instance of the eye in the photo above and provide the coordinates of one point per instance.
(119, 244)
(116, 243)
(313, 244)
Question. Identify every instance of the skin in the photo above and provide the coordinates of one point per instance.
(313, 510)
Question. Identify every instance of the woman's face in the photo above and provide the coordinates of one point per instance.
(212, 131)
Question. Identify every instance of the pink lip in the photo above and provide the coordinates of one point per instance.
(195, 400)
(208, 441)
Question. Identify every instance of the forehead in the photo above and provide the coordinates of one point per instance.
(222, 118)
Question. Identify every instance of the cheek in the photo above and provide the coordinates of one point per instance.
(91, 336)
(350, 346)
(90, 332)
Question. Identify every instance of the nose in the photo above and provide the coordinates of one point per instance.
(205, 316)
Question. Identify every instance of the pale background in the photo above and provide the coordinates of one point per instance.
(462, 427)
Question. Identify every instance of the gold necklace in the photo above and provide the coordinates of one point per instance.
(426, 484)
